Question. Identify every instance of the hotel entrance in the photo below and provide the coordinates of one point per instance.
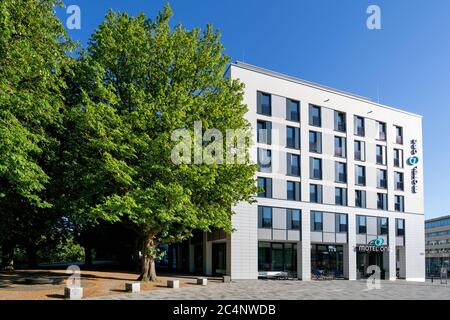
(366, 259)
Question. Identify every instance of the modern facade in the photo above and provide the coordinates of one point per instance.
(341, 182)
(437, 244)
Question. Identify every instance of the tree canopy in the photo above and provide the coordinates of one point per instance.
(137, 82)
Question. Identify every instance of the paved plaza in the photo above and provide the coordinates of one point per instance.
(297, 290)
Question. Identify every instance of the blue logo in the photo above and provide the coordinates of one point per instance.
(412, 161)
(377, 242)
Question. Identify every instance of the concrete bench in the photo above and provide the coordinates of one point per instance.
(202, 281)
(73, 293)
(132, 287)
(174, 284)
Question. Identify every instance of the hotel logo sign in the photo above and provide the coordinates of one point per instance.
(376, 245)
(413, 161)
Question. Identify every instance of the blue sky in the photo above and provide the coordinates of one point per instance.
(406, 64)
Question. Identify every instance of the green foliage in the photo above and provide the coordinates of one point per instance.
(137, 82)
(33, 59)
(66, 250)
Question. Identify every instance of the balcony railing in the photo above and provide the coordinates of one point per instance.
(315, 121)
(399, 186)
(342, 177)
(358, 155)
(317, 174)
(314, 147)
(382, 184)
(360, 131)
(399, 140)
(361, 181)
(380, 159)
(341, 127)
(382, 136)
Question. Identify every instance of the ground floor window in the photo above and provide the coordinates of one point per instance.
(327, 259)
(434, 265)
(273, 256)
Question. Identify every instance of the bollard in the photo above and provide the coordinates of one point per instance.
(73, 293)
(133, 287)
(202, 281)
(174, 284)
(226, 279)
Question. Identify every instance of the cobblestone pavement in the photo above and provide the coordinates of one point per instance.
(296, 290)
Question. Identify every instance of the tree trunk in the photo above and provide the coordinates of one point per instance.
(7, 257)
(32, 255)
(148, 270)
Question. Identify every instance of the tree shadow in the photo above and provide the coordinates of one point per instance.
(56, 296)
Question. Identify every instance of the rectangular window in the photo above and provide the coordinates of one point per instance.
(293, 165)
(383, 226)
(315, 193)
(398, 176)
(264, 160)
(381, 154)
(360, 199)
(315, 168)
(293, 190)
(264, 132)
(359, 126)
(360, 150)
(398, 158)
(315, 117)
(264, 217)
(381, 128)
(339, 121)
(316, 221)
(293, 138)
(400, 224)
(340, 171)
(340, 147)
(292, 110)
(315, 142)
(399, 203)
(361, 224)
(340, 196)
(398, 135)
(360, 175)
(382, 201)
(264, 103)
(382, 178)
(341, 222)
(266, 185)
(293, 219)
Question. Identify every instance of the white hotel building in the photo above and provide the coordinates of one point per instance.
(338, 172)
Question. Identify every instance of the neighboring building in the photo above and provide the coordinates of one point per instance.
(339, 172)
(437, 244)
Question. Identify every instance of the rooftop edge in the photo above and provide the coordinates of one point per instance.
(275, 74)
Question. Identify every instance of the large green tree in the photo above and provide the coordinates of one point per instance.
(33, 48)
(138, 81)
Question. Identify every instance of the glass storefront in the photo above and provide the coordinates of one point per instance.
(434, 265)
(327, 259)
(273, 256)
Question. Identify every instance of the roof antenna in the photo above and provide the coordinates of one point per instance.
(378, 93)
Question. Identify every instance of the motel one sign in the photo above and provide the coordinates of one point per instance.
(376, 245)
(413, 161)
